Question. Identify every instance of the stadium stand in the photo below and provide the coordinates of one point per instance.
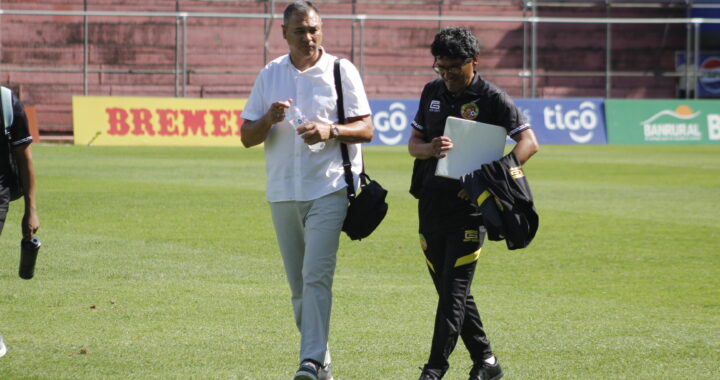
(43, 49)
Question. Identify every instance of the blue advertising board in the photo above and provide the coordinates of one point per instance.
(707, 30)
(392, 119)
(565, 121)
(708, 70)
(554, 121)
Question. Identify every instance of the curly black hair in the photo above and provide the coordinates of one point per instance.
(455, 42)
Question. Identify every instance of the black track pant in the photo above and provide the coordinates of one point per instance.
(4, 205)
(451, 259)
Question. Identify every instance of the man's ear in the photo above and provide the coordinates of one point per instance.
(284, 31)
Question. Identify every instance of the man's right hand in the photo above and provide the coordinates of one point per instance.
(440, 145)
(422, 150)
(254, 132)
(276, 112)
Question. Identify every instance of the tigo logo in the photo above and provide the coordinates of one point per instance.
(580, 122)
(391, 123)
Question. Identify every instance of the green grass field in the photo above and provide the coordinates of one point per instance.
(161, 263)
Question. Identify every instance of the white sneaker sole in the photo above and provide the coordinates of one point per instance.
(3, 349)
(325, 376)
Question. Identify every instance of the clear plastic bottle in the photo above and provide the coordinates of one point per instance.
(295, 117)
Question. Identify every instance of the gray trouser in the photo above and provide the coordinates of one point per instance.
(309, 234)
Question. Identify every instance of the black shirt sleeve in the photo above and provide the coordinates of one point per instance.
(419, 123)
(423, 170)
(508, 115)
(19, 130)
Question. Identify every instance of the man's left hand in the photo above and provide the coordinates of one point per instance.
(313, 132)
(30, 225)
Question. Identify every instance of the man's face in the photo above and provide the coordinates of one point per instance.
(303, 33)
(457, 73)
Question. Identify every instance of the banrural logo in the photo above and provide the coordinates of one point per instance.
(680, 124)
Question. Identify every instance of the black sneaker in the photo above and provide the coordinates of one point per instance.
(308, 371)
(486, 371)
(429, 374)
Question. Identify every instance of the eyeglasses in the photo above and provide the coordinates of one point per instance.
(454, 69)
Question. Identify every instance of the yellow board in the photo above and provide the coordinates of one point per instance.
(117, 120)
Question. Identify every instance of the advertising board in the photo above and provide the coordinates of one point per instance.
(117, 120)
(392, 119)
(663, 122)
(708, 72)
(565, 121)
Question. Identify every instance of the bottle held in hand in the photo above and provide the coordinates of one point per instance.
(296, 118)
(28, 255)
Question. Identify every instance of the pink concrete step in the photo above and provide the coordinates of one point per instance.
(53, 117)
(45, 78)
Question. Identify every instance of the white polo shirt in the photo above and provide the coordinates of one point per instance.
(294, 173)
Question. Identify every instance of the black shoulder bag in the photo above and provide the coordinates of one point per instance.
(368, 208)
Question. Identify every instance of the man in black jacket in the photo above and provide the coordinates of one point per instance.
(15, 140)
(451, 236)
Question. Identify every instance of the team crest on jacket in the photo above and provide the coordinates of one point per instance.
(469, 111)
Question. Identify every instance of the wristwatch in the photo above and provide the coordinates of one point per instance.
(334, 131)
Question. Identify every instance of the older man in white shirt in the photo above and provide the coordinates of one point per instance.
(306, 188)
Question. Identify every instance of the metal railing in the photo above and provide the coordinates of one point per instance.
(528, 73)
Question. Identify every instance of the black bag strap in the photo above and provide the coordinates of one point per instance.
(347, 165)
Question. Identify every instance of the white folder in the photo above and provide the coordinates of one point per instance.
(474, 144)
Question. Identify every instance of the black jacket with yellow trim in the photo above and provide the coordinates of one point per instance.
(504, 198)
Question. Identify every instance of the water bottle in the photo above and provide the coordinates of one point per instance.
(28, 255)
(295, 117)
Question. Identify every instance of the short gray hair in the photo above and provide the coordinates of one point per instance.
(300, 7)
